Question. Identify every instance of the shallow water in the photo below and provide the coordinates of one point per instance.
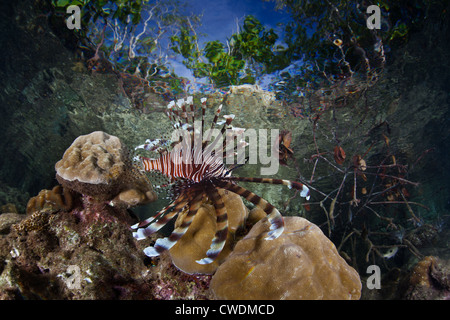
(383, 200)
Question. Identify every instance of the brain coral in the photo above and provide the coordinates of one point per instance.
(301, 264)
(197, 240)
(97, 165)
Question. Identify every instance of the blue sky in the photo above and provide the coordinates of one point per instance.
(219, 16)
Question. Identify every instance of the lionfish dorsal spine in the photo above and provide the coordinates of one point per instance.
(213, 125)
(203, 103)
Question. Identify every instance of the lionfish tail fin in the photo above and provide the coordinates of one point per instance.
(146, 222)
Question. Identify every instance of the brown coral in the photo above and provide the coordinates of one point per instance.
(97, 165)
(301, 264)
(420, 275)
(429, 280)
(196, 241)
(51, 200)
(41, 255)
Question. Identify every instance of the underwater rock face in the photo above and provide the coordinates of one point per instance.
(87, 253)
(301, 264)
(7, 220)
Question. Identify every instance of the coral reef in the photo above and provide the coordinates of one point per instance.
(96, 158)
(51, 200)
(97, 165)
(172, 284)
(8, 208)
(7, 220)
(429, 280)
(43, 100)
(196, 241)
(301, 264)
(86, 253)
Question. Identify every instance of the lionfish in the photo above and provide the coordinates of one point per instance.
(201, 173)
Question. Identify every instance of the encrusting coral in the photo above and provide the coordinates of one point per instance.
(52, 200)
(196, 241)
(429, 280)
(300, 264)
(41, 256)
(97, 165)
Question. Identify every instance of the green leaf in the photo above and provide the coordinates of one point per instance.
(62, 3)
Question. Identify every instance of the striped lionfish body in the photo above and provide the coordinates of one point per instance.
(196, 167)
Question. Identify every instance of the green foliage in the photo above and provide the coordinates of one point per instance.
(253, 50)
(234, 63)
(255, 42)
(126, 11)
(130, 34)
(316, 24)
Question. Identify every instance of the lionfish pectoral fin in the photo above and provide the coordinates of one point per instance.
(216, 247)
(212, 254)
(273, 215)
(220, 237)
(139, 234)
(148, 227)
(160, 246)
(163, 244)
(304, 190)
(151, 252)
(142, 224)
(276, 225)
(205, 261)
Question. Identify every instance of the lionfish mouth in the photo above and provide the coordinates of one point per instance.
(195, 162)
